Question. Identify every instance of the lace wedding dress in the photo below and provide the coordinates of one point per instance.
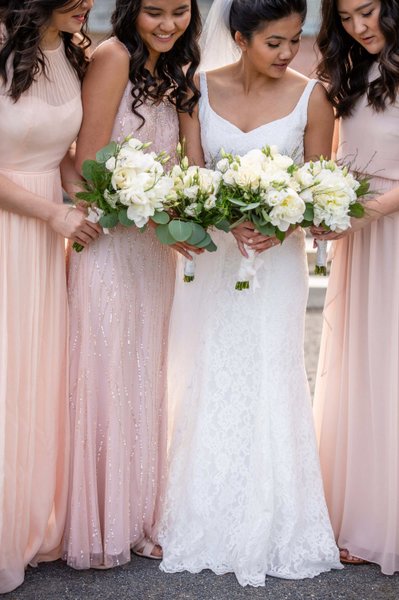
(244, 493)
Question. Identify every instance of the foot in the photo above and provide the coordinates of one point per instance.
(348, 559)
(148, 549)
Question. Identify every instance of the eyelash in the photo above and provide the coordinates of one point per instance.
(365, 15)
(278, 45)
(178, 14)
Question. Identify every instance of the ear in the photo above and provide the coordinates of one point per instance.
(240, 41)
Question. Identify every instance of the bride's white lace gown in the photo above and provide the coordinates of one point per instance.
(244, 493)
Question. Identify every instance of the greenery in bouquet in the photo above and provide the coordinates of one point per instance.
(192, 207)
(126, 184)
(331, 194)
(259, 187)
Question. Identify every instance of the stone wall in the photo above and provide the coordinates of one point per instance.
(99, 19)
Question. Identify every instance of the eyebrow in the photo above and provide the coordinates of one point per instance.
(280, 37)
(358, 9)
(149, 7)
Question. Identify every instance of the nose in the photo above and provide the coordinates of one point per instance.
(286, 52)
(359, 26)
(87, 4)
(167, 25)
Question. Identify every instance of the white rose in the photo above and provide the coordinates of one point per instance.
(289, 212)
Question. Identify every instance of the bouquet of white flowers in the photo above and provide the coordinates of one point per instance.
(331, 194)
(260, 187)
(192, 207)
(125, 185)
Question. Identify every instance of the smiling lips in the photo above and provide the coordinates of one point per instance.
(81, 18)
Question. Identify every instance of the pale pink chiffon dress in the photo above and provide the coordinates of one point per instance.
(120, 292)
(36, 132)
(357, 389)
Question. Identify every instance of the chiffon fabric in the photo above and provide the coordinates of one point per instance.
(120, 292)
(244, 493)
(357, 387)
(36, 132)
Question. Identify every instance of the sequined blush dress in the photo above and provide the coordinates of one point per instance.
(120, 292)
(35, 133)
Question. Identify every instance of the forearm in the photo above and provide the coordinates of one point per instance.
(23, 202)
(69, 175)
(383, 205)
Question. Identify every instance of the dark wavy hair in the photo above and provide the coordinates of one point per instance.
(345, 64)
(22, 25)
(248, 16)
(174, 76)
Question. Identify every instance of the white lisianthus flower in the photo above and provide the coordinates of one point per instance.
(190, 210)
(289, 211)
(111, 163)
(191, 192)
(111, 199)
(210, 202)
(282, 162)
(223, 165)
(140, 214)
(303, 177)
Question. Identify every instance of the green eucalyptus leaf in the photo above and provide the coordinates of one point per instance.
(266, 229)
(124, 219)
(161, 218)
(198, 234)
(180, 230)
(107, 152)
(251, 206)
(211, 247)
(163, 234)
(223, 225)
(205, 242)
(109, 220)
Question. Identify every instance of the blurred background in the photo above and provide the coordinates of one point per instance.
(304, 62)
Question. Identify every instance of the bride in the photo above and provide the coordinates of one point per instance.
(244, 493)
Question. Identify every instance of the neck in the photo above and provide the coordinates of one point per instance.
(151, 61)
(50, 39)
(250, 78)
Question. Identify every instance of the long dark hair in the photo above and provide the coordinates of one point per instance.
(171, 79)
(345, 64)
(248, 16)
(23, 23)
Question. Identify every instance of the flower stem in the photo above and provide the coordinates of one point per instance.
(77, 247)
(320, 270)
(242, 285)
(188, 278)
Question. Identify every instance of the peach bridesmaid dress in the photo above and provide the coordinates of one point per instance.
(120, 291)
(36, 132)
(357, 389)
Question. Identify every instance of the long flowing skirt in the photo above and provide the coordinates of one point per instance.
(34, 442)
(244, 493)
(120, 291)
(357, 391)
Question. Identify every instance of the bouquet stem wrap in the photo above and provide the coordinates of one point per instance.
(321, 258)
(247, 271)
(189, 268)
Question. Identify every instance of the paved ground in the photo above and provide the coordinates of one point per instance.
(141, 579)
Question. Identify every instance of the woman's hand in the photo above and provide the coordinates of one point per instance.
(320, 233)
(246, 235)
(185, 249)
(71, 223)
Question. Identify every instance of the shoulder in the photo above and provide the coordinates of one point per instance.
(318, 100)
(112, 53)
(109, 65)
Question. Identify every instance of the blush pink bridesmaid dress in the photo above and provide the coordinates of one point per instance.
(120, 292)
(357, 388)
(36, 132)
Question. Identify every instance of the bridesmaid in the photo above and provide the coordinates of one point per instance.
(357, 390)
(41, 65)
(120, 293)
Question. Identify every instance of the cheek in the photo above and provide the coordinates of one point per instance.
(183, 23)
(144, 24)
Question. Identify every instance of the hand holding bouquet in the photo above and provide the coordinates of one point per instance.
(259, 187)
(331, 194)
(125, 184)
(192, 207)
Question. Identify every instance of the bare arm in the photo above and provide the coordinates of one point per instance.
(103, 87)
(320, 126)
